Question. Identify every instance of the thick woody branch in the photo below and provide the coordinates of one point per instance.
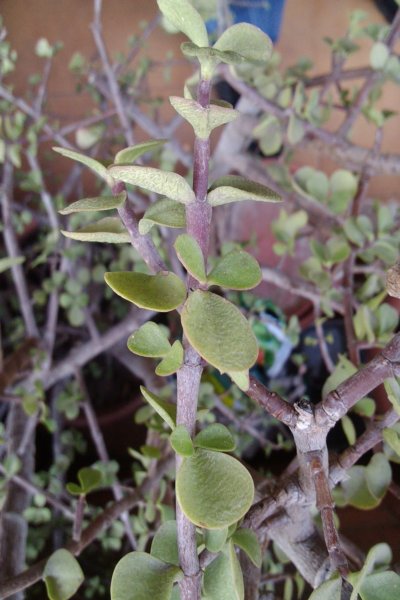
(272, 403)
(384, 365)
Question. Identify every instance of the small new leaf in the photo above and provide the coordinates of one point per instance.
(172, 361)
(215, 437)
(166, 410)
(165, 212)
(247, 540)
(181, 441)
(149, 340)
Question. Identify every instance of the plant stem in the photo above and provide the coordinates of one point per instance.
(198, 220)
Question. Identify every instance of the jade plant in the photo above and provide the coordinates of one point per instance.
(203, 525)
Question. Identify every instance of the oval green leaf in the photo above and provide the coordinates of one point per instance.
(215, 437)
(166, 410)
(168, 184)
(172, 361)
(62, 575)
(213, 489)
(378, 475)
(247, 541)
(223, 579)
(88, 161)
(185, 18)
(7, 263)
(191, 256)
(109, 230)
(237, 270)
(203, 120)
(140, 576)
(252, 44)
(214, 539)
(132, 153)
(233, 188)
(162, 292)
(241, 378)
(149, 340)
(219, 332)
(94, 204)
(165, 544)
(165, 212)
(181, 441)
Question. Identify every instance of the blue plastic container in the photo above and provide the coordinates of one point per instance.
(265, 15)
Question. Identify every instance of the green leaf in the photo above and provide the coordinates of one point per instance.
(7, 263)
(213, 489)
(110, 230)
(140, 576)
(89, 480)
(269, 135)
(356, 491)
(166, 410)
(43, 48)
(378, 475)
(215, 437)
(241, 378)
(181, 441)
(149, 340)
(168, 184)
(295, 132)
(343, 186)
(88, 161)
(214, 539)
(252, 44)
(329, 590)
(86, 137)
(233, 188)
(162, 292)
(94, 204)
(223, 579)
(392, 438)
(191, 256)
(381, 586)
(203, 120)
(247, 540)
(132, 153)
(379, 55)
(392, 389)
(165, 212)
(62, 575)
(343, 370)
(380, 555)
(318, 186)
(185, 18)
(349, 429)
(172, 361)
(237, 270)
(165, 544)
(219, 332)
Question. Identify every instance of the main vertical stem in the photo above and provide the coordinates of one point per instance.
(198, 222)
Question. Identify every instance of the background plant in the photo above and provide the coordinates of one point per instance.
(343, 275)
